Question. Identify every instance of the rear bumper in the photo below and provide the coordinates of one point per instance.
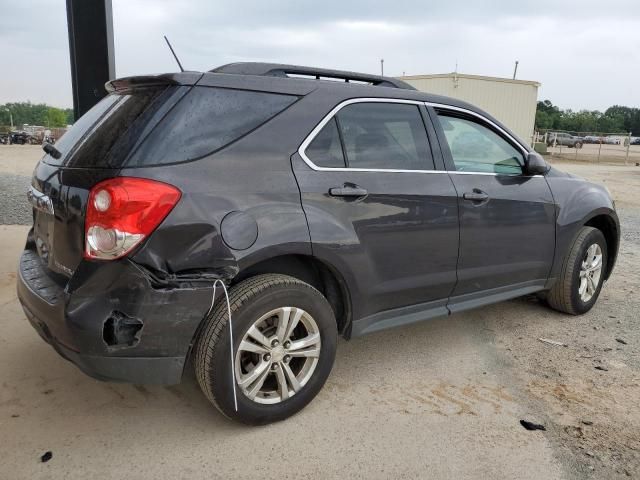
(73, 319)
(142, 370)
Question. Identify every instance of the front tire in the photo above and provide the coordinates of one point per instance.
(580, 281)
(284, 334)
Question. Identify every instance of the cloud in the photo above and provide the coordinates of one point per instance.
(584, 55)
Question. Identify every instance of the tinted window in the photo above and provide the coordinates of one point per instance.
(476, 148)
(80, 128)
(106, 134)
(326, 150)
(385, 136)
(208, 119)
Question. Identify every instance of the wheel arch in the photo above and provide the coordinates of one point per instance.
(611, 231)
(322, 276)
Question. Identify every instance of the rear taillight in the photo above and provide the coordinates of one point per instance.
(122, 212)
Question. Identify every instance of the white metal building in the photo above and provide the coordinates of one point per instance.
(513, 102)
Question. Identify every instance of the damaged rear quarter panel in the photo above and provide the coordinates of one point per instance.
(189, 241)
(169, 316)
(252, 176)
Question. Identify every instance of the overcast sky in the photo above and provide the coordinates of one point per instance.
(585, 53)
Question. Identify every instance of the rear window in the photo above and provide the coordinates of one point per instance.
(105, 135)
(205, 121)
(326, 150)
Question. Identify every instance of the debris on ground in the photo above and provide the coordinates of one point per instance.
(532, 426)
(46, 456)
(621, 340)
(553, 342)
(600, 367)
(575, 432)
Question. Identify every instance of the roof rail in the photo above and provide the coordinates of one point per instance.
(282, 70)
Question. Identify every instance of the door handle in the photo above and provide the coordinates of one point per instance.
(477, 196)
(348, 191)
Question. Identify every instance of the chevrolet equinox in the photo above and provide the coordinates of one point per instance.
(327, 202)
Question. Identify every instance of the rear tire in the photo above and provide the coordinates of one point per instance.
(578, 145)
(263, 302)
(573, 292)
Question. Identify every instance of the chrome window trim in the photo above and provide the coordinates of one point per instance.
(501, 130)
(329, 116)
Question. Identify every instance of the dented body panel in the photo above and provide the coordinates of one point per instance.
(77, 318)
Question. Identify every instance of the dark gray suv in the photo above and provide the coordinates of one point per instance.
(329, 203)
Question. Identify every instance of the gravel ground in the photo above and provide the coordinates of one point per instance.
(441, 399)
(14, 209)
(16, 165)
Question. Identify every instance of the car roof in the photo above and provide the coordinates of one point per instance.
(295, 80)
(301, 80)
(298, 80)
(286, 71)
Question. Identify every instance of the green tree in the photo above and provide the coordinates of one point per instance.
(70, 118)
(35, 114)
(56, 117)
(547, 115)
(630, 117)
(616, 119)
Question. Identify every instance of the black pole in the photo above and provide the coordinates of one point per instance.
(90, 25)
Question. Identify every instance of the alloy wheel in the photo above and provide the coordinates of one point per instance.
(590, 272)
(278, 355)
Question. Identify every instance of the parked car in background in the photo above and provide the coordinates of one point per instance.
(564, 139)
(21, 138)
(591, 139)
(612, 140)
(327, 207)
(635, 141)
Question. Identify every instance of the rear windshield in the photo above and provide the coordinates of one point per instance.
(206, 120)
(105, 135)
(162, 125)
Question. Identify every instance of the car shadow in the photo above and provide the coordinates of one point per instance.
(42, 380)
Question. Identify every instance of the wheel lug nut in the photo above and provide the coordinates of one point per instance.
(287, 344)
(274, 343)
(267, 357)
(286, 358)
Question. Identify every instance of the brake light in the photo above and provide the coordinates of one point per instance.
(122, 212)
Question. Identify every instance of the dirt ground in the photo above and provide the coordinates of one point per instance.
(595, 153)
(441, 399)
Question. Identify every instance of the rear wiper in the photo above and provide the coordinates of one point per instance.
(51, 150)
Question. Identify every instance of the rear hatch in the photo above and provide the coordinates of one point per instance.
(95, 148)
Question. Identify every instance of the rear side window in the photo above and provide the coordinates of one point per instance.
(326, 150)
(206, 120)
(385, 136)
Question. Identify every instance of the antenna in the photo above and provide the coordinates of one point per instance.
(515, 69)
(174, 53)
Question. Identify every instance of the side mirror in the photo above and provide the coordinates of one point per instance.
(534, 164)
